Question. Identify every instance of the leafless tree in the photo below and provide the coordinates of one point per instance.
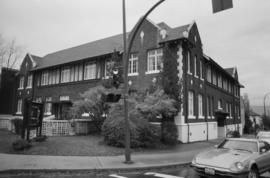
(10, 53)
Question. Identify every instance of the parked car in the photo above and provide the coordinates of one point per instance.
(234, 157)
(233, 134)
(264, 135)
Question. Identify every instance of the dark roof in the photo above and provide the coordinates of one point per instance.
(252, 113)
(175, 33)
(163, 25)
(88, 50)
(230, 71)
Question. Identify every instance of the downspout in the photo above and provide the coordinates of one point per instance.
(186, 100)
(205, 109)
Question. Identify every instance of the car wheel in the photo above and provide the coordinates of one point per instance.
(253, 173)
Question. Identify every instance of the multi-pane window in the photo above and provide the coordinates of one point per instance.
(210, 106)
(76, 73)
(200, 103)
(48, 106)
(44, 78)
(225, 86)
(219, 104)
(201, 70)
(209, 74)
(220, 81)
(21, 85)
(214, 78)
(191, 104)
(188, 63)
(109, 64)
(195, 66)
(65, 74)
(90, 71)
(133, 64)
(29, 81)
(154, 61)
(54, 77)
(19, 106)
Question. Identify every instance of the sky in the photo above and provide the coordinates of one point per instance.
(238, 37)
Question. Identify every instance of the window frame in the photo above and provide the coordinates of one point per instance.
(154, 57)
(191, 114)
(131, 62)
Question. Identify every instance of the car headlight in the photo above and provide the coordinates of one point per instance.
(238, 166)
(194, 160)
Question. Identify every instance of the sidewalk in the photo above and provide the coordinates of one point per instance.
(20, 163)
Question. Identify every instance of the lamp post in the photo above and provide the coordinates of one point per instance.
(125, 62)
(265, 96)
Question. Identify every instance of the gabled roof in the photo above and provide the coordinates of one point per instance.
(176, 33)
(163, 25)
(230, 71)
(88, 50)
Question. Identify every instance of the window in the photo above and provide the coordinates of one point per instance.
(191, 104)
(90, 71)
(21, 85)
(39, 99)
(200, 102)
(48, 106)
(64, 98)
(65, 74)
(44, 78)
(154, 61)
(54, 77)
(229, 87)
(210, 103)
(225, 87)
(19, 107)
(188, 63)
(201, 70)
(230, 110)
(214, 78)
(109, 64)
(29, 81)
(195, 66)
(219, 104)
(220, 81)
(133, 64)
(76, 73)
(209, 76)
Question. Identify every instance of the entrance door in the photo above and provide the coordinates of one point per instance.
(221, 122)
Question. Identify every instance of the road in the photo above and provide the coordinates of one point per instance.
(184, 172)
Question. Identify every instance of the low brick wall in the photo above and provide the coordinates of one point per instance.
(56, 127)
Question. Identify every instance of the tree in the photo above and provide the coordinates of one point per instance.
(10, 53)
(248, 128)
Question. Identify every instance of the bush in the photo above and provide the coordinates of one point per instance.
(233, 134)
(141, 133)
(18, 124)
(40, 138)
(169, 133)
(21, 144)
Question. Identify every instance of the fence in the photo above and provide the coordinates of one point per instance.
(55, 127)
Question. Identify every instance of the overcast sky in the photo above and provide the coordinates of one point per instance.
(237, 37)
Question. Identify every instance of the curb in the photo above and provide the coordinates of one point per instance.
(94, 170)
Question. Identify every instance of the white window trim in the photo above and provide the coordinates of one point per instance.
(88, 65)
(156, 55)
(200, 104)
(21, 84)
(131, 60)
(195, 67)
(201, 71)
(29, 86)
(188, 63)
(191, 116)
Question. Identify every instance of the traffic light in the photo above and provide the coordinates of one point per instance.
(116, 78)
(220, 5)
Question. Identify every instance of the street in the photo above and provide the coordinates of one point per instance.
(183, 172)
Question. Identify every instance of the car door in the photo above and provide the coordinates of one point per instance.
(263, 160)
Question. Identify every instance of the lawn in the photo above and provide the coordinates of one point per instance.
(90, 145)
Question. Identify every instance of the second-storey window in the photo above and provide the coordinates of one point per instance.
(188, 63)
(195, 66)
(154, 61)
(19, 107)
(191, 104)
(201, 70)
(90, 71)
(200, 103)
(209, 76)
(65, 75)
(133, 64)
(214, 78)
(48, 106)
(220, 81)
(21, 85)
(44, 78)
(76, 73)
(29, 81)
(219, 104)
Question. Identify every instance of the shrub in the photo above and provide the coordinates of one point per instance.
(141, 133)
(18, 124)
(169, 133)
(40, 138)
(233, 134)
(21, 144)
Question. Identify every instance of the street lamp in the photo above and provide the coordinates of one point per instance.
(265, 96)
(126, 53)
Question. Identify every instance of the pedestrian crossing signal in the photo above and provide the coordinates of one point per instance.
(220, 5)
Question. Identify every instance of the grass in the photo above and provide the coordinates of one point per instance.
(90, 145)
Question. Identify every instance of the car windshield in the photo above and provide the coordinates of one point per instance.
(239, 145)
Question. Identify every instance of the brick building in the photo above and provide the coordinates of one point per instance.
(210, 93)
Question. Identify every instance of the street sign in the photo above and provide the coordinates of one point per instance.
(220, 5)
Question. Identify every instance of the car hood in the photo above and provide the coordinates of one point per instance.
(266, 140)
(222, 158)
